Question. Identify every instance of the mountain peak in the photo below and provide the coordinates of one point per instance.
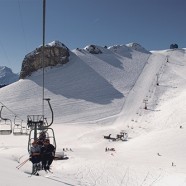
(56, 43)
(7, 76)
(137, 47)
(55, 53)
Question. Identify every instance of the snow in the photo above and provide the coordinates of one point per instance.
(100, 94)
(137, 47)
(56, 43)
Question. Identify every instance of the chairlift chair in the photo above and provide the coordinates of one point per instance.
(49, 135)
(17, 129)
(5, 127)
(25, 130)
(5, 124)
(38, 124)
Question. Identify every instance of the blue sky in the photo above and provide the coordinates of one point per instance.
(154, 24)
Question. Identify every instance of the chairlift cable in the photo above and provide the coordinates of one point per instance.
(11, 111)
(43, 64)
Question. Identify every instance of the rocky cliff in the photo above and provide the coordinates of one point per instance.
(54, 53)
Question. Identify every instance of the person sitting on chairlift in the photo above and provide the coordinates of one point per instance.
(35, 151)
(42, 136)
(48, 153)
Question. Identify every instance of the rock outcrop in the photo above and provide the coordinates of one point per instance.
(93, 49)
(54, 53)
(173, 46)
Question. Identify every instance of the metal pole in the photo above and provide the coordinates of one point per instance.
(48, 100)
(21, 164)
(43, 64)
(35, 131)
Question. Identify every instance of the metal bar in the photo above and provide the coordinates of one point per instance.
(43, 62)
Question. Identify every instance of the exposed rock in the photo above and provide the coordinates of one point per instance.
(173, 46)
(93, 49)
(54, 53)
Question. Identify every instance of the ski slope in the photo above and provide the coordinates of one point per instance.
(96, 95)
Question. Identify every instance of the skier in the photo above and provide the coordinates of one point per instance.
(35, 157)
(42, 136)
(47, 154)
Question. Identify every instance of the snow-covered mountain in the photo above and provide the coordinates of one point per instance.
(102, 91)
(85, 80)
(7, 76)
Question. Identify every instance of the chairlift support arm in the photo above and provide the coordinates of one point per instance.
(1, 114)
(48, 100)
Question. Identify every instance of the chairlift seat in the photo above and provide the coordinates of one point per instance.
(5, 132)
(18, 133)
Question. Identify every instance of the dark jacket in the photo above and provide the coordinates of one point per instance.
(48, 150)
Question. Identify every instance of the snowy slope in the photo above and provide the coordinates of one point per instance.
(97, 94)
(80, 87)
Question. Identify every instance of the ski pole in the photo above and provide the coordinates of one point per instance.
(20, 165)
(22, 162)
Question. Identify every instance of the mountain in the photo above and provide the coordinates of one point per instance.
(7, 76)
(95, 81)
(57, 53)
(102, 91)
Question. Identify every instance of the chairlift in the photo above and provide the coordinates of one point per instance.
(19, 128)
(46, 124)
(49, 135)
(5, 124)
(25, 130)
(38, 124)
(5, 127)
